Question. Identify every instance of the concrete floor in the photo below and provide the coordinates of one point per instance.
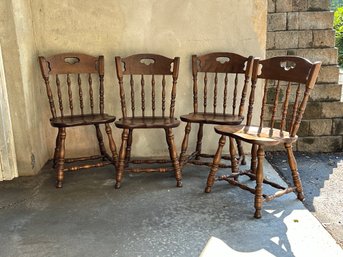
(150, 217)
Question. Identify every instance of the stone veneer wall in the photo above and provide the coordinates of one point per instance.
(305, 28)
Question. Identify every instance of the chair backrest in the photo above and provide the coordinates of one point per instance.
(288, 81)
(67, 71)
(154, 73)
(228, 74)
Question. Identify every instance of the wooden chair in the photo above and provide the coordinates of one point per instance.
(225, 74)
(288, 81)
(161, 71)
(69, 70)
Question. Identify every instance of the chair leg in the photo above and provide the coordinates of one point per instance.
(60, 157)
(57, 149)
(111, 143)
(199, 140)
(234, 162)
(215, 164)
(253, 163)
(100, 141)
(184, 146)
(295, 174)
(241, 152)
(121, 159)
(128, 148)
(259, 183)
(173, 156)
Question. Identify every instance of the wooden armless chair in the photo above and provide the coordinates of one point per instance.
(227, 75)
(68, 70)
(291, 79)
(153, 73)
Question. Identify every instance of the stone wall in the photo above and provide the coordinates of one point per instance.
(305, 28)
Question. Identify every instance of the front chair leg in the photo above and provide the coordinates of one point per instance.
(234, 162)
(173, 156)
(128, 148)
(121, 161)
(214, 168)
(57, 149)
(60, 158)
(295, 174)
(259, 183)
(182, 158)
(100, 141)
(111, 143)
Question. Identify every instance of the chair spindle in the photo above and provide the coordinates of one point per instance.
(153, 94)
(234, 95)
(143, 95)
(215, 92)
(163, 95)
(132, 85)
(264, 100)
(91, 93)
(70, 95)
(285, 109)
(276, 101)
(80, 92)
(225, 93)
(59, 94)
(101, 91)
(295, 107)
(205, 92)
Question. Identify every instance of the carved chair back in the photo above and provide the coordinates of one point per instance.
(287, 82)
(221, 73)
(70, 74)
(152, 76)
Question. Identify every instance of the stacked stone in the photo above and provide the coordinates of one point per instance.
(305, 28)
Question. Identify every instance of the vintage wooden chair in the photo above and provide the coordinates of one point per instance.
(154, 73)
(68, 71)
(291, 79)
(227, 75)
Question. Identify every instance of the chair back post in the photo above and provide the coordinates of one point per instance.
(44, 67)
(173, 93)
(309, 86)
(119, 69)
(255, 70)
(195, 82)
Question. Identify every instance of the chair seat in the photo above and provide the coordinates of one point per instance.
(147, 122)
(212, 118)
(80, 120)
(251, 134)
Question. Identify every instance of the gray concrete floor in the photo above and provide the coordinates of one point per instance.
(150, 217)
(322, 177)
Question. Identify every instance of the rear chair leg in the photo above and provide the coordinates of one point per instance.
(60, 158)
(111, 143)
(253, 163)
(184, 146)
(121, 161)
(215, 164)
(57, 149)
(259, 183)
(241, 152)
(234, 162)
(199, 141)
(128, 148)
(100, 141)
(295, 174)
(173, 156)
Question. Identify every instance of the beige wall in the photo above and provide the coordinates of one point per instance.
(122, 27)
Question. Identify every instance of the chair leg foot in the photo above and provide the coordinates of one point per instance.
(301, 196)
(208, 189)
(257, 214)
(117, 185)
(179, 183)
(59, 184)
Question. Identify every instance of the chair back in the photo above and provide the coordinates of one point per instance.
(72, 74)
(152, 76)
(221, 73)
(287, 82)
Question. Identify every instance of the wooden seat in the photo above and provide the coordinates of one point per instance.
(225, 77)
(212, 118)
(287, 83)
(147, 122)
(66, 75)
(157, 75)
(81, 120)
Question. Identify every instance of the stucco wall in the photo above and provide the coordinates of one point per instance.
(125, 27)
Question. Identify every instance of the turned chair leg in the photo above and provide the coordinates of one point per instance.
(241, 152)
(121, 161)
(173, 156)
(295, 174)
(184, 146)
(60, 158)
(199, 141)
(259, 183)
(215, 164)
(111, 143)
(253, 163)
(128, 148)
(57, 149)
(234, 162)
(100, 141)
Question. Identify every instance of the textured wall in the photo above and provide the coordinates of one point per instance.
(125, 27)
